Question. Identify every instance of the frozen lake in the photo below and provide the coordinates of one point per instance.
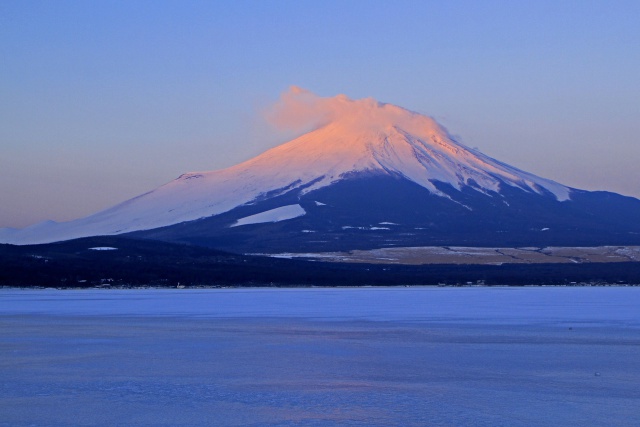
(354, 356)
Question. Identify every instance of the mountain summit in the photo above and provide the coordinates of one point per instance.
(368, 174)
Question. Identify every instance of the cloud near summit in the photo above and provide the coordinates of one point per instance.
(301, 110)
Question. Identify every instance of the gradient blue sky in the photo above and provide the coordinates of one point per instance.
(103, 100)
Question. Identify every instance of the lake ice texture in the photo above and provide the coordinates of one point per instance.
(411, 356)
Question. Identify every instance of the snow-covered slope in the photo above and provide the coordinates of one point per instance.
(358, 137)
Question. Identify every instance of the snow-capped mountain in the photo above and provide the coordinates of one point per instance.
(407, 173)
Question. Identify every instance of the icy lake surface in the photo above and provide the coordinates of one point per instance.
(315, 357)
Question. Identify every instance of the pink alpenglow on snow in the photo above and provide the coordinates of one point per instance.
(355, 135)
(346, 136)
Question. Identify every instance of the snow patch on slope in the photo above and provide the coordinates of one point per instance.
(274, 215)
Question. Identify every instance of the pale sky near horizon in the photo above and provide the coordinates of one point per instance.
(101, 101)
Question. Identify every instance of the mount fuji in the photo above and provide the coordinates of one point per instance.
(368, 175)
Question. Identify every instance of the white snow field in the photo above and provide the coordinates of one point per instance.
(282, 213)
(321, 357)
(473, 255)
